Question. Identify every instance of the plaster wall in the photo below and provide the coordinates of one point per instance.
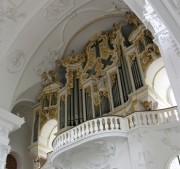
(19, 142)
(152, 148)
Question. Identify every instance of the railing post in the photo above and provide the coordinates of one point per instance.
(123, 124)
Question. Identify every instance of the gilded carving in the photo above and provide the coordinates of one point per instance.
(113, 77)
(95, 88)
(99, 68)
(97, 101)
(99, 50)
(62, 98)
(48, 114)
(131, 18)
(73, 58)
(88, 91)
(49, 77)
(70, 75)
(104, 93)
(132, 59)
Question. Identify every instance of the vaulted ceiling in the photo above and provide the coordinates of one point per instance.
(35, 33)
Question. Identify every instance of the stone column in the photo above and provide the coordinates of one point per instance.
(8, 123)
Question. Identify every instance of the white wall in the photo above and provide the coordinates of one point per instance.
(152, 148)
(19, 142)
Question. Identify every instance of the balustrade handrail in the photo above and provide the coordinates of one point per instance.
(158, 110)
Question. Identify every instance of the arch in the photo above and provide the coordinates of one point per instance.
(18, 159)
(47, 133)
(152, 71)
(157, 79)
(13, 161)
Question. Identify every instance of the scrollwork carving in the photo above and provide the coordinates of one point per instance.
(131, 18)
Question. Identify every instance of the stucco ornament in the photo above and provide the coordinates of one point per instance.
(9, 9)
(144, 159)
(120, 5)
(15, 61)
(57, 8)
(170, 139)
(47, 62)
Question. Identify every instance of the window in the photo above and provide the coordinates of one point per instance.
(175, 163)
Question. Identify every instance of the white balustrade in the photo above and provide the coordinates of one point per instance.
(115, 123)
(152, 118)
(104, 124)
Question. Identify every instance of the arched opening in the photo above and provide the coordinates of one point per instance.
(175, 163)
(11, 162)
(47, 134)
(157, 79)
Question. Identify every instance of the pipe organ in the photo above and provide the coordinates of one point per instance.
(100, 80)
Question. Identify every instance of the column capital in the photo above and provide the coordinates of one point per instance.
(9, 121)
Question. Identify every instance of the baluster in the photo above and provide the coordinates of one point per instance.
(173, 115)
(111, 119)
(72, 135)
(62, 141)
(55, 143)
(149, 120)
(106, 123)
(140, 118)
(165, 117)
(82, 130)
(75, 133)
(87, 128)
(158, 116)
(130, 122)
(144, 118)
(95, 125)
(177, 115)
(59, 142)
(65, 139)
(79, 131)
(116, 123)
(154, 120)
(100, 124)
(91, 126)
(68, 137)
(133, 120)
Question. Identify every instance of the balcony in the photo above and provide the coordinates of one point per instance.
(106, 128)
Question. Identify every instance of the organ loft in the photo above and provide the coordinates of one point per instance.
(107, 78)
